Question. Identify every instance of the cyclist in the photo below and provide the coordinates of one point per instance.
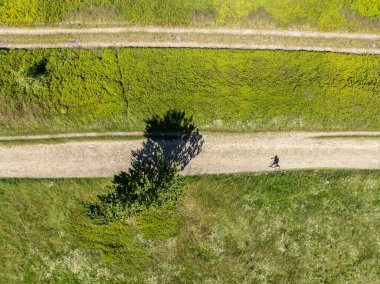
(275, 164)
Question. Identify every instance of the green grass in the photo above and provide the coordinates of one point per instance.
(351, 15)
(372, 136)
(54, 140)
(283, 227)
(62, 90)
(61, 124)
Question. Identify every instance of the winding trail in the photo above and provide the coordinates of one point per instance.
(222, 153)
(373, 49)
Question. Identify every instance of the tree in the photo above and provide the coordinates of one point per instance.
(153, 178)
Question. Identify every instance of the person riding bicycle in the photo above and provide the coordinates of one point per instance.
(275, 164)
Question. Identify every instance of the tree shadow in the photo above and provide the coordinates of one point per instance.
(38, 69)
(174, 137)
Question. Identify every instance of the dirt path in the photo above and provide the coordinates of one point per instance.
(49, 31)
(372, 49)
(222, 153)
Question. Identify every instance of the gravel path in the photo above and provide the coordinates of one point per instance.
(179, 31)
(222, 153)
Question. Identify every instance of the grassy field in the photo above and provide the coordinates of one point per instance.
(65, 90)
(351, 15)
(281, 227)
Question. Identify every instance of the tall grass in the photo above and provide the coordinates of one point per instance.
(116, 89)
(315, 14)
(283, 227)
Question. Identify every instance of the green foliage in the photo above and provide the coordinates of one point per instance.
(231, 11)
(44, 236)
(324, 14)
(164, 12)
(119, 89)
(258, 90)
(18, 11)
(153, 179)
(331, 20)
(367, 8)
(321, 14)
(49, 12)
(149, 182)
(159, 224)
(284, 227)
(72, 85)
(92, 87)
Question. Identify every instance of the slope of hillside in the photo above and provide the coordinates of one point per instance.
(116, 89)
(350, 15)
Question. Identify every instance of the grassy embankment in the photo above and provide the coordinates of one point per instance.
(354, 15)
(116, 89)
(282, 227)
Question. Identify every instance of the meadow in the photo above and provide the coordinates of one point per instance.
(66, 90)
(309, 226)
(350, 15)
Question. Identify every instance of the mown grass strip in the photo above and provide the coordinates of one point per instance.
(67, 140)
